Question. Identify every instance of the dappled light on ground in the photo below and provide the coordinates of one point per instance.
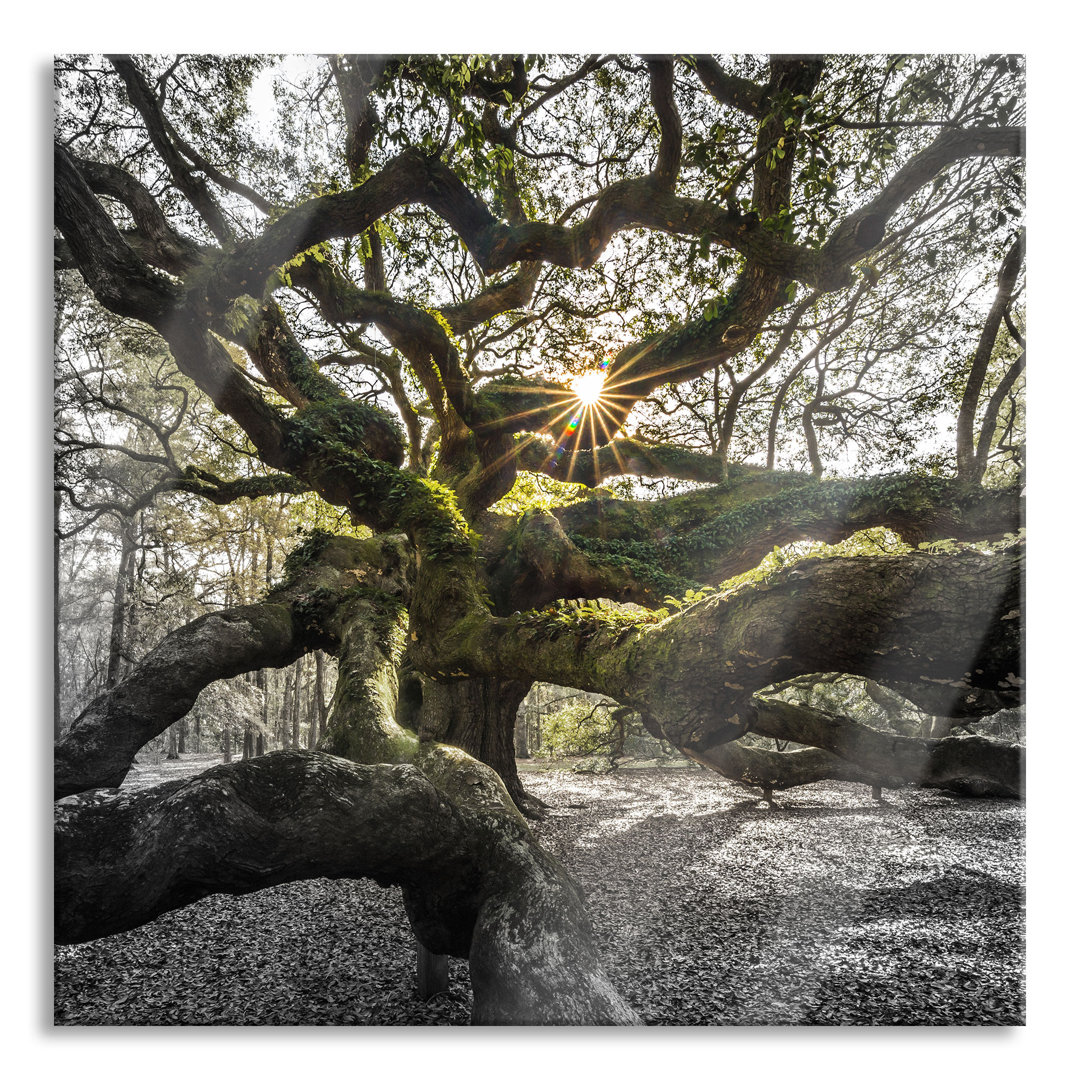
(829, 909)
(709, 907)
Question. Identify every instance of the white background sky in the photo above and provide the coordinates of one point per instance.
(35, 33)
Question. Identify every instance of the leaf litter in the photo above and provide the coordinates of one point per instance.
(709, 908)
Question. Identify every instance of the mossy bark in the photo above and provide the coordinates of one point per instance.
(441, 827)
(361, 725)
(98, 749)
(967, 764)
(478, 716)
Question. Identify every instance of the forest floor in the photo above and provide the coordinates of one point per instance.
(709, 907)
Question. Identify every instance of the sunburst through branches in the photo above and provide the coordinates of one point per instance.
(589, 387)
(586, 416)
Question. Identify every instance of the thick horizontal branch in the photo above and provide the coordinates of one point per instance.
(413, 178)
(736, 538)
(196, 481)
(774, 770)
(237, 828)
(531, 563)
(246, 269)
(476, 882)
(945, 624)
(620, 457)
(969, 764)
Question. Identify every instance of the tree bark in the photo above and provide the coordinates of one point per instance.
(967, 764)
(966, 452)
(944, 629)
(479, 716)
(477, 884)
(122, 594)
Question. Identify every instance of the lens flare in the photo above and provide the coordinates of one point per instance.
(589, 387)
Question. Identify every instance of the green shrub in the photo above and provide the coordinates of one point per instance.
(577, 729)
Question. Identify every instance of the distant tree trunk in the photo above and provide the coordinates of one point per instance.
(967, 466)
(478, 715)
(56, 615)
(125, 583)
(810, 432)
(521, 729)
(227, 745)
(285, 716)
(263, 684)
(198, 735)
(181, 737)
(172, 754)
(295, 744)
(318, 716)
(313, 721)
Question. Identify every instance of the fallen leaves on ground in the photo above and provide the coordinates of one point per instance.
(709, 908)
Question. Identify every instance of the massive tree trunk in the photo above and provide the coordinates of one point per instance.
(438, 822)
(478, 715)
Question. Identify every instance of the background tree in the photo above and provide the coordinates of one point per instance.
(737, 289)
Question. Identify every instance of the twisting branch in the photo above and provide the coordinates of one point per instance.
(118, 277)
(166, 248)
(441, 826)
(149, 108)
(728, 89)
(102, 742)
(968, 455)
(967, 764)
